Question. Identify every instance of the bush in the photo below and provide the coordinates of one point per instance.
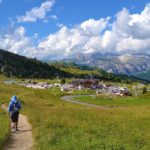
(144, 90)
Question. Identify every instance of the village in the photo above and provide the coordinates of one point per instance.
(80, 84)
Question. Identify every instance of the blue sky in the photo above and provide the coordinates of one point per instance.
(42, 24)
(69, 12)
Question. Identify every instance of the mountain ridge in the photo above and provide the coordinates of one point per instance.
(13, 65)
(19, 66)
(129, 64)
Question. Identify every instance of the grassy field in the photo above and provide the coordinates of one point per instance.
(4, 122)
(111, 100)
(59, 125)
(4, 127)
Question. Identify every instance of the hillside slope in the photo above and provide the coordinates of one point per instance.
(145, 75)
(22, 67)
(81, 71)
(13, 65)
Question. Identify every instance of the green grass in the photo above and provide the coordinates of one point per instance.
(83, 92)
(4, 120)
(144, 75)
(58, 125)
(111, 100)
(4, 127)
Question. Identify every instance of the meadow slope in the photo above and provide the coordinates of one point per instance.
(64, 126)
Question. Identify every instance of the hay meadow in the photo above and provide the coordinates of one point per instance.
(59, 125)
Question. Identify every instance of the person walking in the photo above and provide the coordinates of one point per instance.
(13, 109)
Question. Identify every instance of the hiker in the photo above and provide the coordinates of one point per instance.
(13, 109)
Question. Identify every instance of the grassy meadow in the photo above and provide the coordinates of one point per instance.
(116, 101)
(58, 125)
(4, 127)
(4, 122)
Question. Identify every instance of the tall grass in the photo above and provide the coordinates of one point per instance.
(59, 125)
(111, 100)
(4, 127)
(4, 120)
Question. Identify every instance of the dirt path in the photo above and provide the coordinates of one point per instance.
(70, 98)
(22, 139)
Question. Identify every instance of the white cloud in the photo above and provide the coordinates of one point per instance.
(127, 33)
(132, 31)
(94, 27)
(54, 17)
(46, 19)
(37, 12)
(59, 25)
(16, 42)
(67, 42)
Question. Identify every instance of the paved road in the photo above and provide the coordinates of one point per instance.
(70, 98)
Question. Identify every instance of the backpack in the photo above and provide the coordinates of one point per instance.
(15, 109)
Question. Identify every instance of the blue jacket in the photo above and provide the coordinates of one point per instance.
(12, 102)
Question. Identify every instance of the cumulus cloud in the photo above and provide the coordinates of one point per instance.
(127, 33)
(68, 41)
(132, 31)
(37, 12)
(16, 42)
(54, 17)
(93, 27)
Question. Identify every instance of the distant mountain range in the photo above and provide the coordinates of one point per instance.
(13, 65)
(129, 64)
(81, 71)
(22, 67)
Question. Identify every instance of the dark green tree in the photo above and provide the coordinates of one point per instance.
(144, 90)
(63, 81)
